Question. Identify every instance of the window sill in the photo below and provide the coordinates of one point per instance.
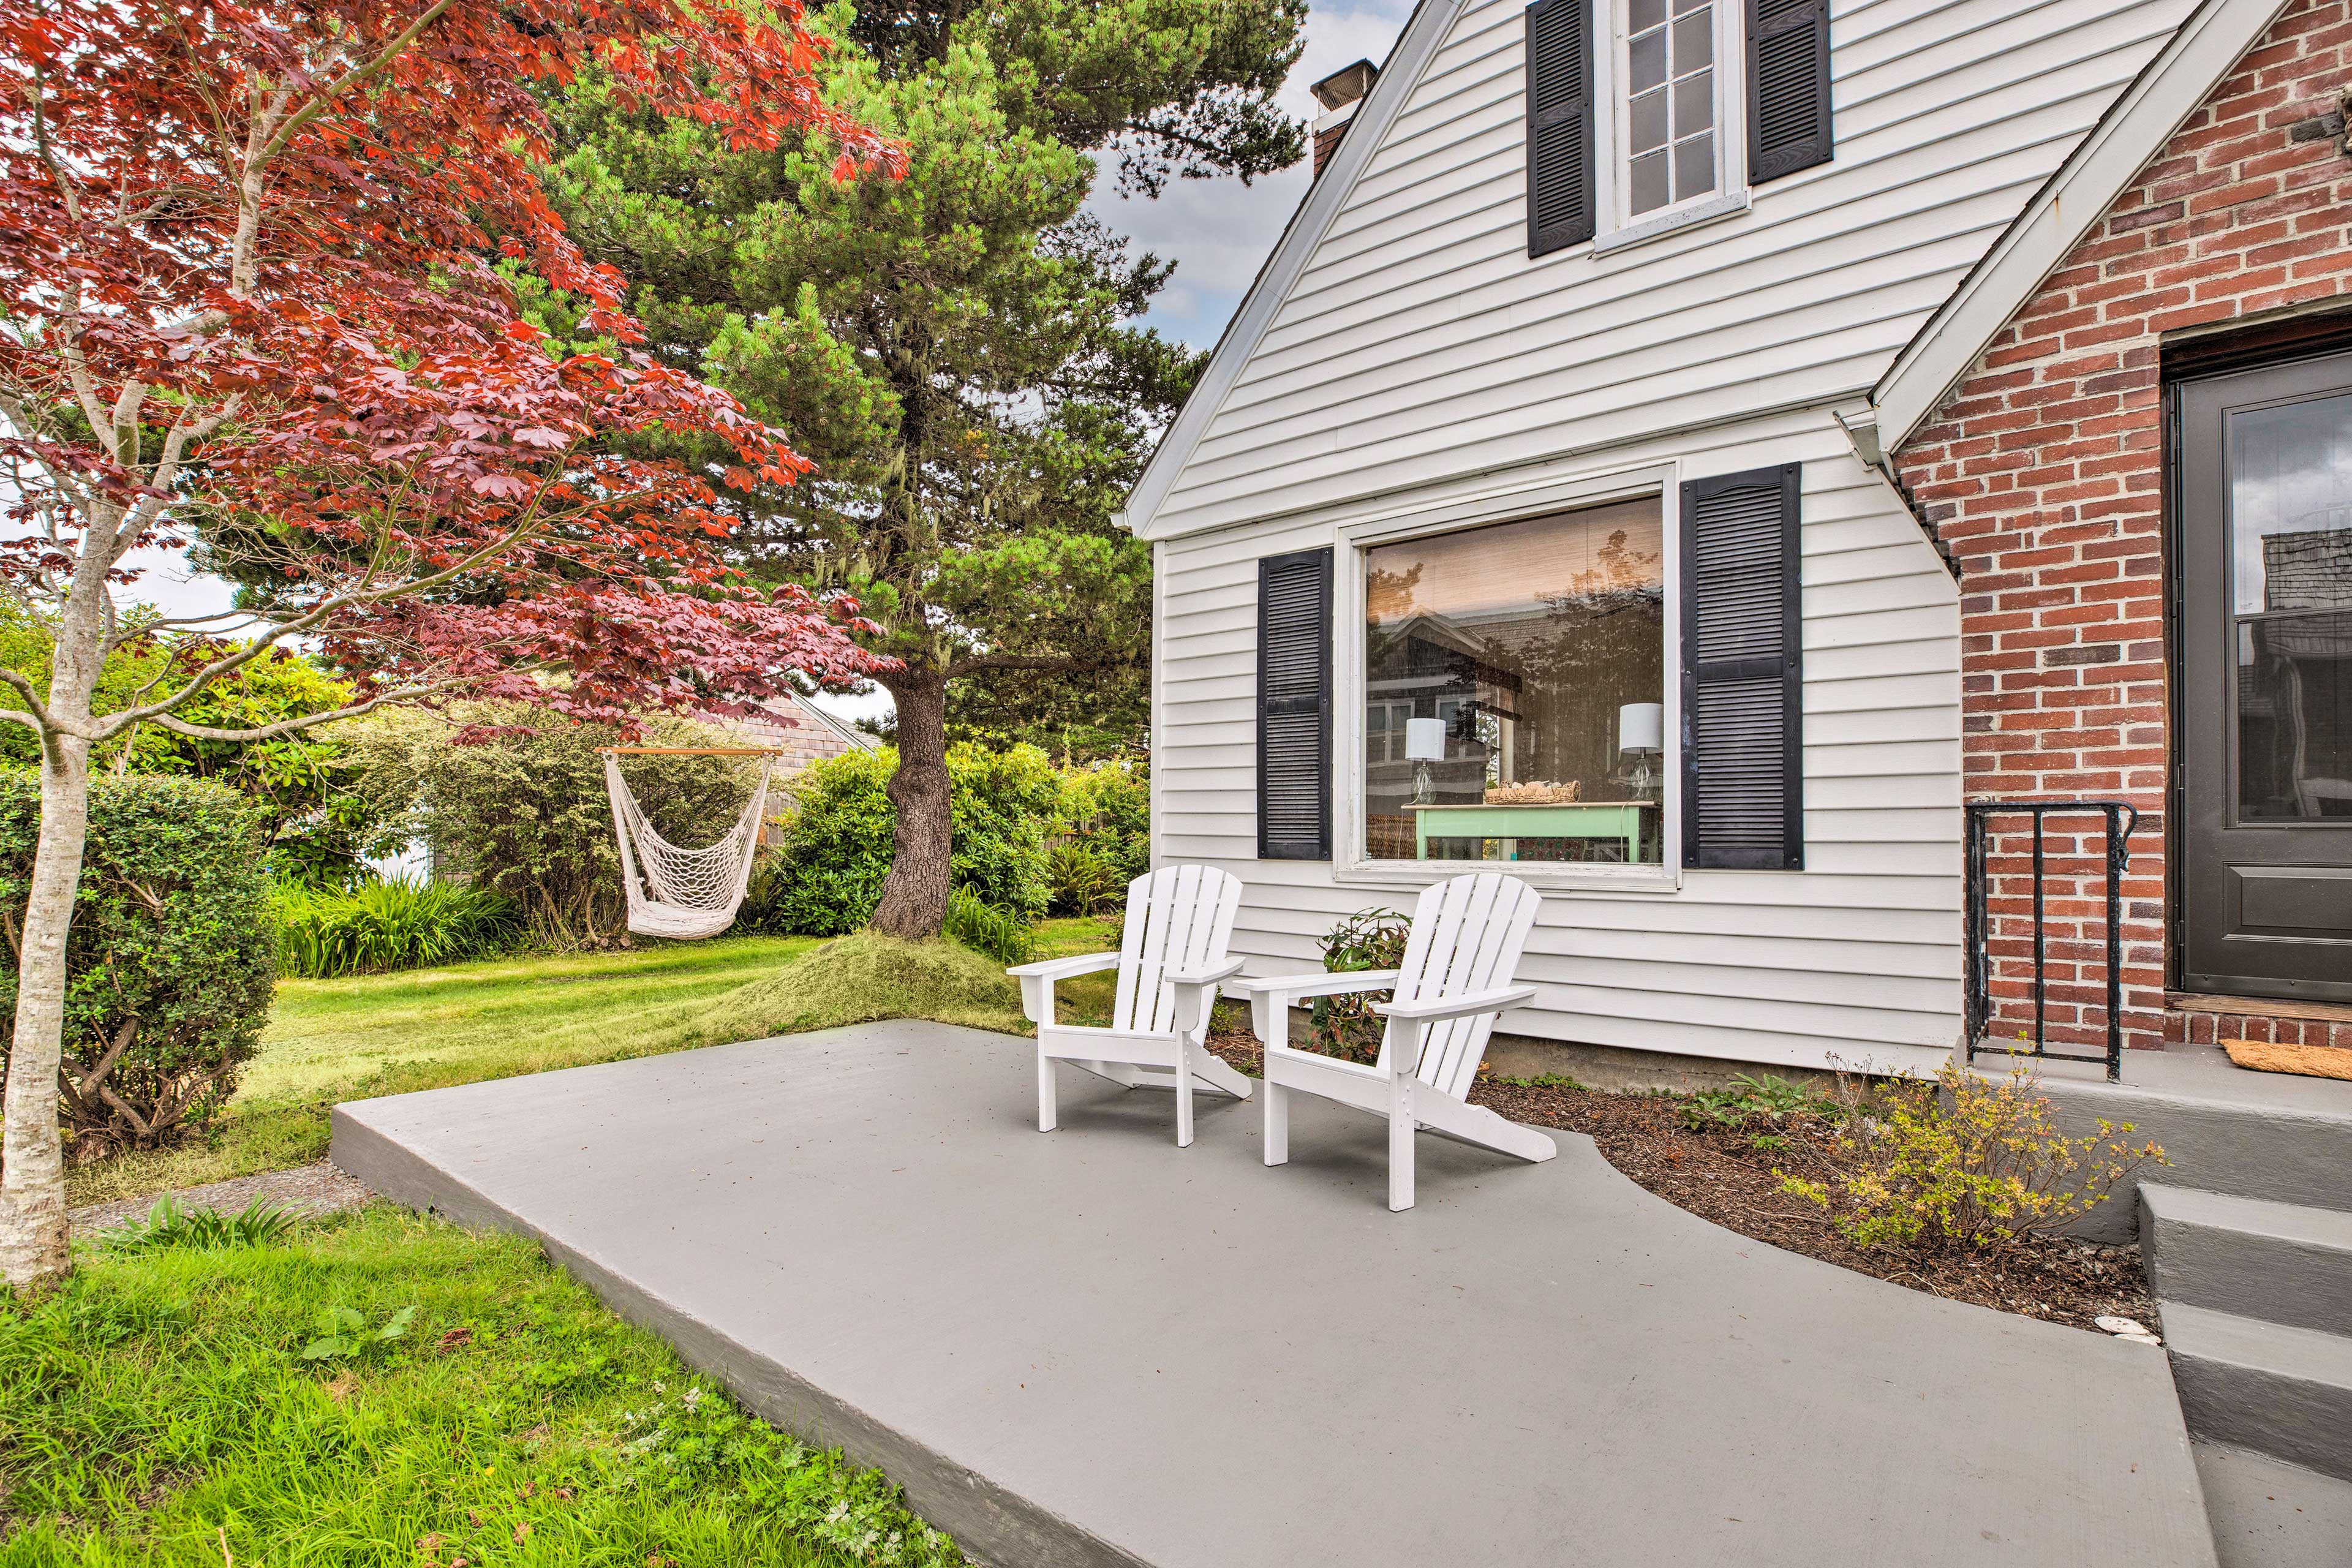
(1713, 209)
(1414, 875)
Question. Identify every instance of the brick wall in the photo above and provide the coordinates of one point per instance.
(2042, 472)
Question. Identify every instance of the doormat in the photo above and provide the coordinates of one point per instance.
(2310, 1061)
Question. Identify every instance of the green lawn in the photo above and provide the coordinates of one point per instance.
(330, 1040)
(157, 1409)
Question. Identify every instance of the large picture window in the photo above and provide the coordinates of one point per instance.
(1513, 691)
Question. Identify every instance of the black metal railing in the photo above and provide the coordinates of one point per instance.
(2119, 819)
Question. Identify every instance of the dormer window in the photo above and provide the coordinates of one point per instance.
(1670, 99)
(1647, 115)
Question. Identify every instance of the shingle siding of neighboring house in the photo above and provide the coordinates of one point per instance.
(2043, 472)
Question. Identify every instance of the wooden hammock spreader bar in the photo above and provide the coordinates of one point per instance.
(694, 751)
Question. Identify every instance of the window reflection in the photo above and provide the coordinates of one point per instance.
(1513, 690)
(2291, 587)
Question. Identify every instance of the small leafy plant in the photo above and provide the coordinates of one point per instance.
(344, 1335)
(1760, 1106)
(170, 1225)
(1539, 1081)
(1965, 1160)
(1346, 1027)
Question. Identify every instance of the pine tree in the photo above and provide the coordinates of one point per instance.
(957, 350)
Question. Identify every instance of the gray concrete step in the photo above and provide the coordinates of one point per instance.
(2254, 1258)
(2223, 1128)
(2267, 1514)
(2278, 1389)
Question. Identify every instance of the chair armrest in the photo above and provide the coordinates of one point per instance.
(1065, 968)
(1443, 1007)
(1216, 976)
(1322, 983)
(1037, 981)
(1270, 998)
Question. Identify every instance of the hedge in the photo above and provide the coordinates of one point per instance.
(171, 942)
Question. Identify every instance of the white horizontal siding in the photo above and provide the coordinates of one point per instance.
(1859, 952)
(1422, 342)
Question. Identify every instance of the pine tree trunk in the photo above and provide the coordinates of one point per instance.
(915, 893)
(32, 1159)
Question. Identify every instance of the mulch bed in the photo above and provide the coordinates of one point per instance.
(1722, 1177)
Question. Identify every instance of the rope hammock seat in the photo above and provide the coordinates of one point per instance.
(684, 894)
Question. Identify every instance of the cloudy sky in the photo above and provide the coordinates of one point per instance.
(1217, 232)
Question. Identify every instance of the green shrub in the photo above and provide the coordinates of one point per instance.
(521, 809)
(1107, 811)
(316, 828)
(1346, 1027)
(170, 954)
(1965, 1160)
(837, 844)
(388, 925)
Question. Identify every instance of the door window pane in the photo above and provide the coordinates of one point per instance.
(2294, 718)
(2290, 506)
(2291, 587)
(1514, 692)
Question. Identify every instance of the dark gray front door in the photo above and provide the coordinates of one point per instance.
(2265, 746)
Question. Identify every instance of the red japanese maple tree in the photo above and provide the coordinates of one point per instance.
(259, 265)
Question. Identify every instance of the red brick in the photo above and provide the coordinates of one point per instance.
(2043, 471)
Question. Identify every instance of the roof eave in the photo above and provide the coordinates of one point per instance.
(2197, 59)
(1431, 21)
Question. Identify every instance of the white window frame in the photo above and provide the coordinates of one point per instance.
(1349, 864)
(1618, 227)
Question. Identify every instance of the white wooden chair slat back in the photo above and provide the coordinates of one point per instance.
(1467, 933)
(1178, 918)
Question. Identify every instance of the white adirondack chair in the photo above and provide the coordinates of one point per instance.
(1170, 962)
(1454, 981)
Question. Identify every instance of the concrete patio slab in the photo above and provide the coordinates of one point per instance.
(1092, 1347)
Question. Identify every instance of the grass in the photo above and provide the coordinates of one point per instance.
(157, 1409)
(348, 1038)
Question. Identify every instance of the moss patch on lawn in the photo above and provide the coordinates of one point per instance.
(158, 1409)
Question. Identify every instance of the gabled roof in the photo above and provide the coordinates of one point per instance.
(2195, 60)
(1431, 21)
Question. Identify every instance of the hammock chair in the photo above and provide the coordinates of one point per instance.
(684, 894)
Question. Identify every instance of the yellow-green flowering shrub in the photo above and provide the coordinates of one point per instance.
(1966, 1160)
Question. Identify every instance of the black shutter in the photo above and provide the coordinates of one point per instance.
(1294, 705)
(1559, 124)
(1789, 87)
(1743, 691)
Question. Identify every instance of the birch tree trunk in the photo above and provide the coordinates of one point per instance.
(914, 894)
(32, 1152)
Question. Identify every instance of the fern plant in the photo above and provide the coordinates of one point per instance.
(989, 927)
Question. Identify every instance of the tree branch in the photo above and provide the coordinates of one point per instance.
(979, 662)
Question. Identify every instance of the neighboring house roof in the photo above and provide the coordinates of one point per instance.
(799, 730)
(1432, 20)
(2192, 63)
